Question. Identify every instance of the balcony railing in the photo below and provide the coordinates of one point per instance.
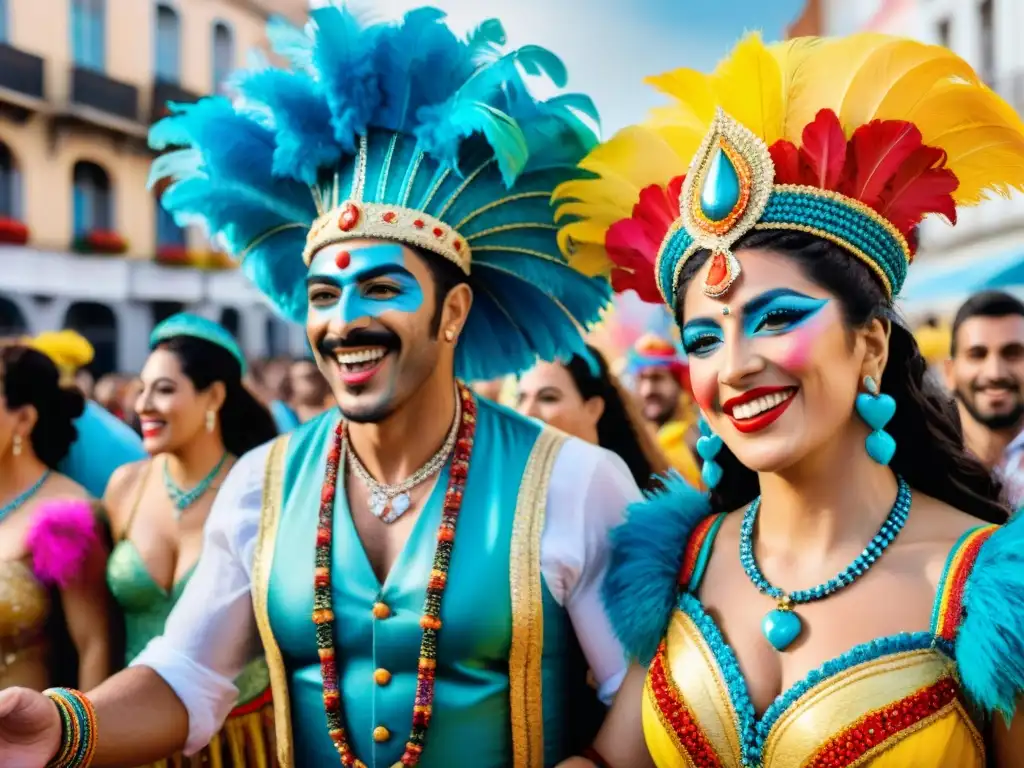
(94, 89)
(164, 92)
(21, 72)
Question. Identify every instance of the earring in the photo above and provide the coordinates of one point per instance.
(876, 410)
(211, 420)
(16, 449)
(709, 445)
(449, 334)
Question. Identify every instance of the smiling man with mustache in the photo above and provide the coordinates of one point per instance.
(422, 566)
(985, 372)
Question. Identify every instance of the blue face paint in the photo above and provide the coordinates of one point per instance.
(374, 281)
(780, 311)
(772, 313)
(701, 337)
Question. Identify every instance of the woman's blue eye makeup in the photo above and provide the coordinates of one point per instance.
(701, 337)
(779, 311)
(772, 313)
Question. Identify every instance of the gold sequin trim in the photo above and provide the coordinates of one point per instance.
(433, 190)
(527, 648)
(410, 178)
(462, 188)
(382, 184)
(270, 515)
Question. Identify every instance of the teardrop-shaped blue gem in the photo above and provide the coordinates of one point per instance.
(720, 191)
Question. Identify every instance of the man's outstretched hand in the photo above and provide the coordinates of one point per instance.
(29, 729)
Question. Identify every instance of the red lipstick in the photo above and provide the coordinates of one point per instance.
(763, 419)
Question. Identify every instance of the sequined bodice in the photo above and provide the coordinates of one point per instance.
(895, 702)
(146, 606)
(24, 609)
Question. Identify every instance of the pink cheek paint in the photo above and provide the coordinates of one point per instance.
(704, 385)
(793, 351)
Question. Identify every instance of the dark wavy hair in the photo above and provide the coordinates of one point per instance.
(244, 422)
(32, 378)
(930, 452)
(620, 428)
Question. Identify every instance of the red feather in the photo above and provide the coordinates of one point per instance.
(633, 243)
(824, 149)
(787, 161)
(922, 185)
(877, 150)
(634, 252)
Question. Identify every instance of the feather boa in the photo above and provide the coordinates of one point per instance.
(990, 642)
(60, 538)
(640, 589)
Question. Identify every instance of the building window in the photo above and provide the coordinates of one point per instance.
(168, 233)
(94, 205)
(88, 33)
(223, 55)
(988, 43)
(232, 321)
(3, 21)
(167, 45)
(10, 185)
(943, 31)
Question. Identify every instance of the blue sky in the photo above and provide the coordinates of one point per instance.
(609, 46)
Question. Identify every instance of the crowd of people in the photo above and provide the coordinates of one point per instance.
(456, 535)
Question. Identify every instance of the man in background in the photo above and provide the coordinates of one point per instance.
(985, 372)
(661, 384)
(310, 394)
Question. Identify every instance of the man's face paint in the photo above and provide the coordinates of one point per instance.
(369, 322)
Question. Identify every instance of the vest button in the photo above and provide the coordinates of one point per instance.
(380, 733)
(381, 610)
(381, 676)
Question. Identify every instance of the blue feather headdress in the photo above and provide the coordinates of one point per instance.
(401, 132)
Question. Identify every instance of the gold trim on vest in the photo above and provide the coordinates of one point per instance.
(273, 491)
(527, 648)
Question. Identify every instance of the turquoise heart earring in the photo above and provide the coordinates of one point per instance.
(876, 410)
(709, 445)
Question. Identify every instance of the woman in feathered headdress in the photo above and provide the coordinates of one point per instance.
(850, 593)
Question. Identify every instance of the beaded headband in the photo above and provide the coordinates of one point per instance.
(354, 219)
(729, 191)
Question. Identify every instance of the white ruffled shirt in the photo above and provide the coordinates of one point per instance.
(211, 633)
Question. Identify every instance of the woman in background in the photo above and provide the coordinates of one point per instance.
(54, 627)
(583, 399)
(196, 418)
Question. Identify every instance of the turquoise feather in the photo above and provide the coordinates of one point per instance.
(451, 129)
(640, 588)
(990, 641)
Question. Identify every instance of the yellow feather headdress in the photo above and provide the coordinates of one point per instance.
(854, 139)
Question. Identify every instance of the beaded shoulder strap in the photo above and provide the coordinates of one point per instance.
(948, 611)
(698, 550)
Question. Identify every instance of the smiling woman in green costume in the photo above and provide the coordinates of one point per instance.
(196, 418)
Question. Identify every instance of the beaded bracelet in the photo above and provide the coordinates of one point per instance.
(78, 728)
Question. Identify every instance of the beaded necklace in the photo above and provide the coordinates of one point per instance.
(18, 501)
(430, 622)
(183, 499)
(782, 626)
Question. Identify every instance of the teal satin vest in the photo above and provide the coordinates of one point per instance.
(495, 601)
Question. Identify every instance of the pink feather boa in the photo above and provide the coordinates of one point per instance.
(60, 538)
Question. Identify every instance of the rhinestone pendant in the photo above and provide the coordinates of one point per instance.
(378, 505)
(401, 504)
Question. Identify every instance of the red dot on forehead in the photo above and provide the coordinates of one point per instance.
(343, 259)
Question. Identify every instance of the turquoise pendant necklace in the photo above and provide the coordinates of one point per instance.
(18, 501)
(782, 626)
(183, 499)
